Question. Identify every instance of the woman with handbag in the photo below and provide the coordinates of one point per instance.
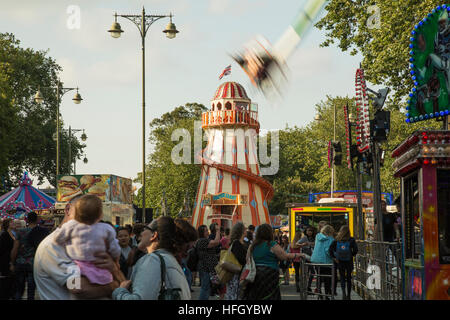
(239, 250)
(266, 254)
(158, 274)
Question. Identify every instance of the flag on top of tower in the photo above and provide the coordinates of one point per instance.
(225, 72)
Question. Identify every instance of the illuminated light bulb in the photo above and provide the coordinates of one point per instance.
(433, 150)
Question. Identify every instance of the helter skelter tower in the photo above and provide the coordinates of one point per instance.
(231, 187)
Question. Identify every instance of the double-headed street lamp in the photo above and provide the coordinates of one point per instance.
(83, 138)
(60, 91)
(85, 161)
(143, 23)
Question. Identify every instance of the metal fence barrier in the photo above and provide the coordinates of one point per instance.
(316, 270)
(378, 270)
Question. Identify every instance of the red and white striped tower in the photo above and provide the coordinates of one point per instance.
(231, 187)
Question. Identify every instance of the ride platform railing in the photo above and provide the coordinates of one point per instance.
(377, 273)
(317, 271)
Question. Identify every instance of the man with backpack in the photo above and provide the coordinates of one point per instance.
(342, 250)
(27, 241)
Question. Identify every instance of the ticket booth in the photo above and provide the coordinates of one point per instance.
(422, 162)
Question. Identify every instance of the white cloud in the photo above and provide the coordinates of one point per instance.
(309, 62)
(123, 69)
(69, 73)
(219, 6)
(235, 7)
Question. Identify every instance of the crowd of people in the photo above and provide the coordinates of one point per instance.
(19, 240)
(88, 258)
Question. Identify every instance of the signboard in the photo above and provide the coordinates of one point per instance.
(221, 216)
(106, 187)
(278, 221)
(275, 221)
(430, 67)
(224, 199)
(351, 197)
(121, 189)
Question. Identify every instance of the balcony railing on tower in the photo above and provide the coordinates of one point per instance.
(230, 117)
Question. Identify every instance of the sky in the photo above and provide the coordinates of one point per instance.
(108, 71)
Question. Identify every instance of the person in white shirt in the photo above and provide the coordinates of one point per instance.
(57, 277)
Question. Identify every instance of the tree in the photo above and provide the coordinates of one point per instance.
(303, 161)
(385, 52)
(27, 128)
(383, 44)
(162, 174)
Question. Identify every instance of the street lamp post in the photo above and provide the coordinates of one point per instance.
(318, 117)
(85, 161)
(334, 139)
(60, 91)
(143, 23)
(83, 138)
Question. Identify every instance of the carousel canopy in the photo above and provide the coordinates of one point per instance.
(24, 199)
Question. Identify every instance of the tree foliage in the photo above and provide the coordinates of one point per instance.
(27, 128)
(303, 163)
(304, 157)
(385, 54)
(384, 49)
(162, 174)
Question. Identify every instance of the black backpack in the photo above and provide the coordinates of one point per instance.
(192, 259)
(343, 251)
(164, 292)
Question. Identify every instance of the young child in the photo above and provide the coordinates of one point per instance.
(85, 236)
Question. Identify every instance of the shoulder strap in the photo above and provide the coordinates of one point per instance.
(163, 272)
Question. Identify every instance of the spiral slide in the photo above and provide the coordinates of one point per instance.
(265, 185)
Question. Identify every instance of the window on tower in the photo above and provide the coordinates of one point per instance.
(241, 106)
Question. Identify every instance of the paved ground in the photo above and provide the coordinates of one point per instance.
(288, 292)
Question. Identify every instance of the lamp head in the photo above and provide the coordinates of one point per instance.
(351, 118)
(38, 98)
(77, 98)
(115, 30)
(171, 30)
